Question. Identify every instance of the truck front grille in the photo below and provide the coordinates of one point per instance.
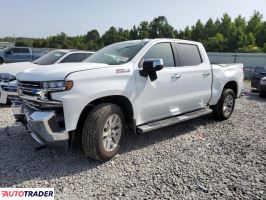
(30, 84)
(29, 88)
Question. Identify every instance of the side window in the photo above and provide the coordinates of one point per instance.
(164, 51)
(86, 55)
(74, 57)
(188, 54)
(16, 50)
(24, 50)
(259, 69)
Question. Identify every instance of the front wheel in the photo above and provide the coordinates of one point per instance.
(103, 132)
(1, 61)
(225, 106)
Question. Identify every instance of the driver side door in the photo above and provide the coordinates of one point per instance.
(160, 98)
(10, 55)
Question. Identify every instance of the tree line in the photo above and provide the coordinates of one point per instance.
(221, 35)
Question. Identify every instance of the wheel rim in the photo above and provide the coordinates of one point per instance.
(228, 105)
(112, 132)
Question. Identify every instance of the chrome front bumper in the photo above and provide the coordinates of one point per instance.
(42, 125)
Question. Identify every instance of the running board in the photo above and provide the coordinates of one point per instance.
(173, 120)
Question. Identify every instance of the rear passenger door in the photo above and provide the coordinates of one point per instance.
(196, 77)
(25, 54)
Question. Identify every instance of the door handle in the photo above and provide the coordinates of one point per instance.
(176, 76)
(206, 73)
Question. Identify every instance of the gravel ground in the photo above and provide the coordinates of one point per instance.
(199, 159)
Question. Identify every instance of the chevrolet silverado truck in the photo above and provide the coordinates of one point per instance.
(17, 54)
(137, 85)
(8, 83)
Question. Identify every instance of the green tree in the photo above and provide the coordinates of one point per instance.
(254, 23)
(186, 34)
(210, 29)
(92, 35)
(111, 36)
(197, 33)
(216, 43)
(261, 35)
(160, 28)
(134, 33)
(144, 30)
(22, 43)
(226, 26)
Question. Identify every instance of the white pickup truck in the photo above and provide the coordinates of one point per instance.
(141, 85)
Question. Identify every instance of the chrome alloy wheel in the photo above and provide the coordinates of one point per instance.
(228, 105)
(112, 132)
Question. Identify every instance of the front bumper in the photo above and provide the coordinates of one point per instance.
(42, 125)
(7, 90)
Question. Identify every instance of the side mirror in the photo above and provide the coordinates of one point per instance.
(150, 67)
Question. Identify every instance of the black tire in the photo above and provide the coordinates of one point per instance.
(218, 110)
(1, 61)
(92, 134)
(262, 94)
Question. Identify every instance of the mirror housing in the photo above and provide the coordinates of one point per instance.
(150, 67)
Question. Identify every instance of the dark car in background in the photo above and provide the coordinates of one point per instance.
(259, 73)
(262, 87)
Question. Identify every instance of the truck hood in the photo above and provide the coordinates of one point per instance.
(57, 71)
(15, 68)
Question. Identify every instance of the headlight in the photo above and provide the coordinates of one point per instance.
(57, 85)
(5, 77)
(263, 82)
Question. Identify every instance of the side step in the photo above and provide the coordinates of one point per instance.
(173, 120)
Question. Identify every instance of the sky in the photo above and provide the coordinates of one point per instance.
(42, 18)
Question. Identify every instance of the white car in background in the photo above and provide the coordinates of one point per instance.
(8, 72)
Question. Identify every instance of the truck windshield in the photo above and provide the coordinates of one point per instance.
(117, 54)
(49, 58)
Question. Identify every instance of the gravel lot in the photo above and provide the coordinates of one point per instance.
(199, 159)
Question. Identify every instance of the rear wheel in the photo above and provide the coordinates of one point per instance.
(262, 94)
(225, 106)
(103, 132)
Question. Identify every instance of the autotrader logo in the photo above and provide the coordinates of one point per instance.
(27, 193)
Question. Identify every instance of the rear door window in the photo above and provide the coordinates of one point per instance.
(188, 54)
(20, 50)
(24, 50)
(86, 55)
(74, 57)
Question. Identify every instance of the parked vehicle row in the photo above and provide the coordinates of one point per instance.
(140, 85)
(8, 72)
(262, 87)
(258, 80)
(17, 54)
